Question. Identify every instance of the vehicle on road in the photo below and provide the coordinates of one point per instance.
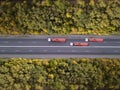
(79, 44)
(57, 39)
(94, 39)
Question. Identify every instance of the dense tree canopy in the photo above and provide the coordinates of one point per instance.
(60, 74)
(60, 17)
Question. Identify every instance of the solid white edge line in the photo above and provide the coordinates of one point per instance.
(68, 46)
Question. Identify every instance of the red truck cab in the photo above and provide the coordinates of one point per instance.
(57, 39)
(94, 39)
(79, 44)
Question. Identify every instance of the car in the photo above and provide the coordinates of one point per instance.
(79, 44)
(57, 39)
(94, 39)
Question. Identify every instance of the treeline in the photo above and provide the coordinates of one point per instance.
(60, 17)
(60, 74)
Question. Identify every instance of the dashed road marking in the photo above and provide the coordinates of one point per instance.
(2, 50)
(58, 50)
(20, 42)
(115, 51)
(73, 50)
(45, 50)
(34, 42)
(30, 50)
(17, 50)
(5, 42)
(86, 51)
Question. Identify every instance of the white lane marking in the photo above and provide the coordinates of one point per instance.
(2, 50)
(115, 51)
(20, 42)
(110, 42)
(17, 50)
(30, 50)
(73, 50)
(86, 51)
(34, 42)
(58, 50)
(5, 42)
(45, 50)
(67, 46)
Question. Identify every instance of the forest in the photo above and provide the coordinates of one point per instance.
(60, 74)
(99, 17)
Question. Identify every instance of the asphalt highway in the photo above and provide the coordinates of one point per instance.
(41, 48)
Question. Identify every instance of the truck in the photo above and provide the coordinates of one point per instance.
(57, 39)
(79, 44)
(94, 39)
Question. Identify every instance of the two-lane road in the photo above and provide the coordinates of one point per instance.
(41, 48)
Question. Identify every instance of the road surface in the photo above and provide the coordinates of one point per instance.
(40, 48)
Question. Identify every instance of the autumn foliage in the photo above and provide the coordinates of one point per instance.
(60, 74)
(60, 17)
